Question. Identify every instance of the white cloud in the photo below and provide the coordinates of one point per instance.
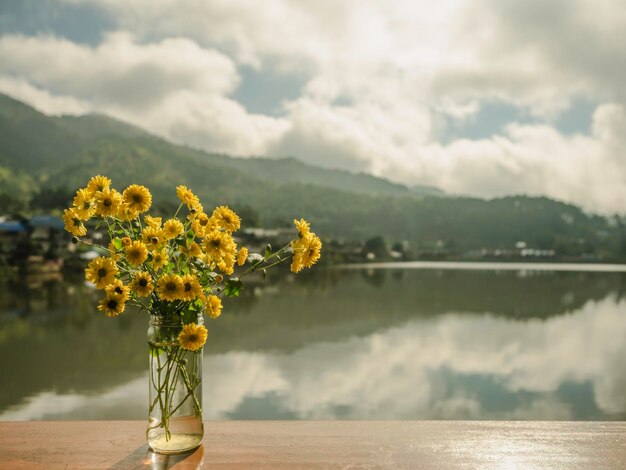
(172, 87)
(381, 78)
(43, 100)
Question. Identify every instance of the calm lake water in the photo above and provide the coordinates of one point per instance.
(413, 342)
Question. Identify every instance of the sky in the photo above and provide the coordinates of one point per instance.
(477, 97)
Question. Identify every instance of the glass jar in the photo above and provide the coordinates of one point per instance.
(175, 377)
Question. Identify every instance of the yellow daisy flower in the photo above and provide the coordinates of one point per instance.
(142, 284)
(187, 196)
(196, 209)
(154, 222)
(312, 251)
(159, 259)
(192, 337)
(73, 223)
(303, 227)
(108, 202)
(98, 183)
(101, 272)
(218, 244)
(137, 198)
(242, 256)
(213, 306)
(296, 262)
(126, 241)
(152, 237)
(195, 250)
(126, 214)
(136, 253)
(112, 304)
(306, 252)
(83, 204)
(170, 287)
(191, 287)
(118, 287)
(225, 218)
(227, 264)
(200, 224)
(172, 228)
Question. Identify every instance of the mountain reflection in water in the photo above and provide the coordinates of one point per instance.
(355, 344)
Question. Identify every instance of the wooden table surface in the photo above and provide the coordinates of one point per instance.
(321, 444)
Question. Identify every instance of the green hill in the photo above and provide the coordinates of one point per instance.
(44, 159)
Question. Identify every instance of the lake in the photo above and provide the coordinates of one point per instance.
(390, 342)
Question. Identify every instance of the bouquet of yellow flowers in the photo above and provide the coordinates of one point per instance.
(175, 270)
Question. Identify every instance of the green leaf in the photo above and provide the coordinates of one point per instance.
(189, 316)
(268, 250)
(233, 287)
(117, 243)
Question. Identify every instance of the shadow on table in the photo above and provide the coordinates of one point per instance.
(144, 458)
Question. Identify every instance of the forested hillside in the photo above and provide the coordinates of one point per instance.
(44, 159)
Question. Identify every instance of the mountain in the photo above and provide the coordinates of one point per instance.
(44, 159)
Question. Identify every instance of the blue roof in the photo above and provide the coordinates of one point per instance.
(47, 221)
(12, 227)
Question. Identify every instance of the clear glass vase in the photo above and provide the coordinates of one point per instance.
(175, 413)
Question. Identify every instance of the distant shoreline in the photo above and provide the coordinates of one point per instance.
(488, 266)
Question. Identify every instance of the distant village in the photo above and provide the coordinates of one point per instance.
(40, 244)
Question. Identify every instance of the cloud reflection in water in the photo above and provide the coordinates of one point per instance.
(453, 366)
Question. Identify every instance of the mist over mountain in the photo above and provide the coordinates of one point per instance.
(44, 159)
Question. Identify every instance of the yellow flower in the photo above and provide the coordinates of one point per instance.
(142, 284)
(191, 287)
(187, 196)
(227, 264)
(125, 214)
(112, 305)
(306, 252)
(312, 252)
(73, 223)
(218, 244)
(296, 262)
(226, 219)
(83, 204)
(159, 259)
(170, 287)
(126, 241)
(242, 256)
(136, 253)
(101, 272)
(172, 228)
(118, 287)
(108, 202)
(196, 209)
(200, 223)
(195, 250)
(152, 237)
(137, 198)
(98, 183)
(303, 227)
(213, 306)
(221, 250)
(154, 222)
(192, 337)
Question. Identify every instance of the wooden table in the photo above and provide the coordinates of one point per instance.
(321, 444)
